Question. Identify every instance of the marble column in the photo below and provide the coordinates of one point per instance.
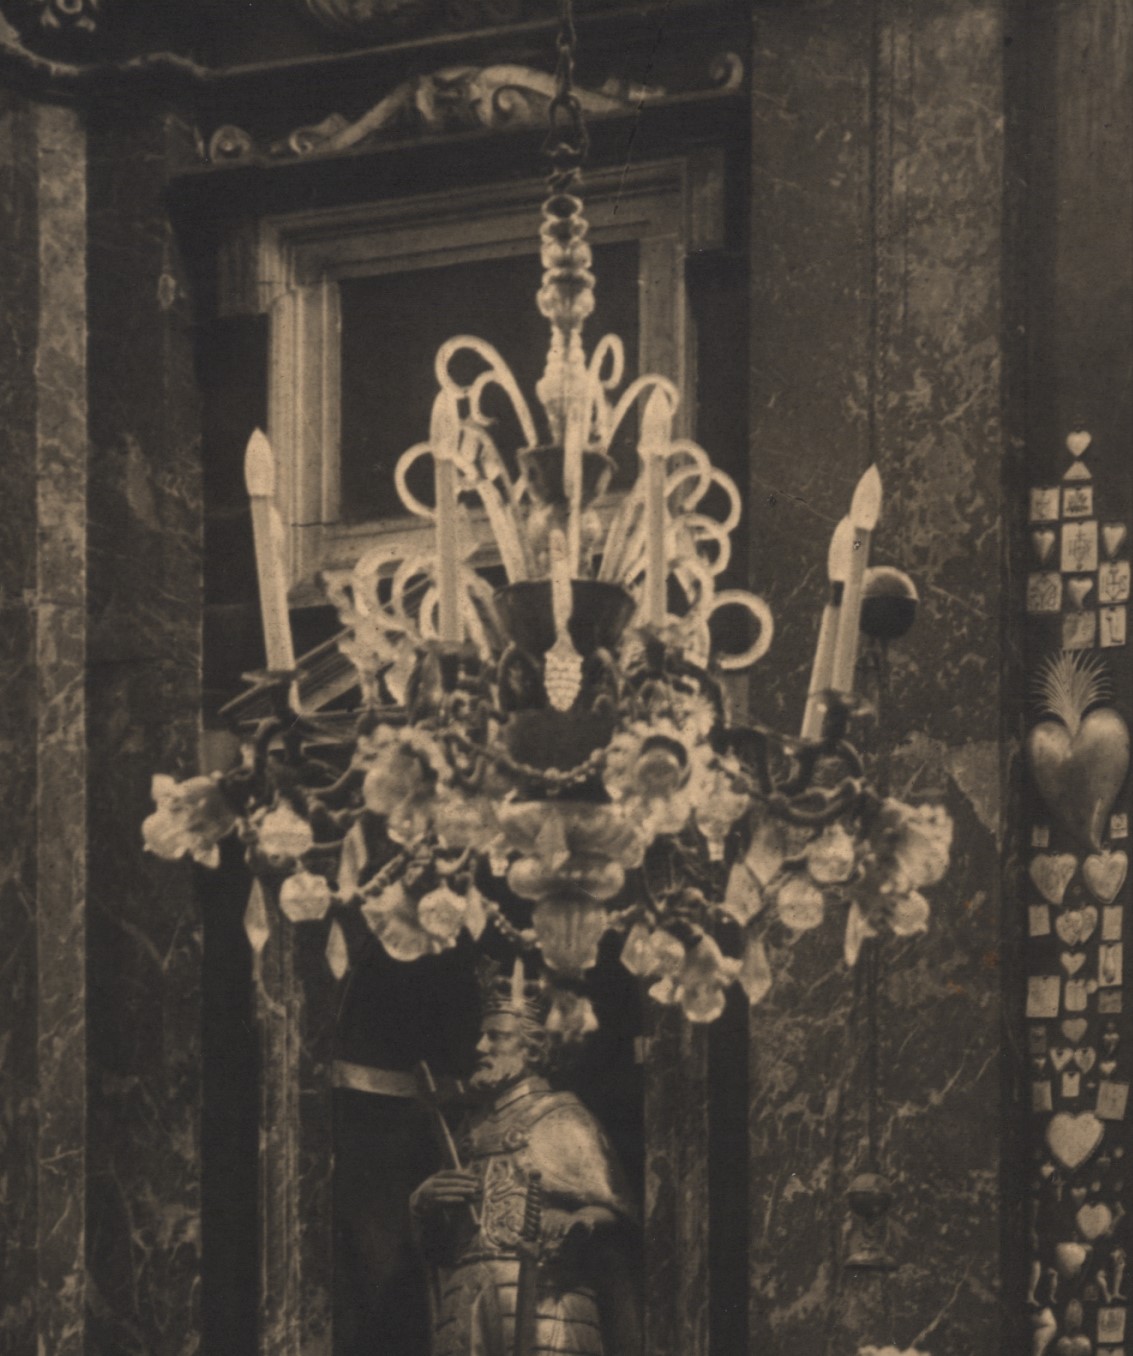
(99, 662)
(876, 330)
(44, 725)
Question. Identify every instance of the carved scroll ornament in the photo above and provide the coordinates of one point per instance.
(57, 17)
(456, 99)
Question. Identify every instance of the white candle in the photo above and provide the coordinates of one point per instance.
(864, 513)
(259, 479)
(656, 434)
(574, 444)
(837, 568)
(444, 433)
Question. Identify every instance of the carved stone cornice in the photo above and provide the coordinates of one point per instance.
(452, 100)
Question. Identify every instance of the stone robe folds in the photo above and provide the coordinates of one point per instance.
(585, 1301)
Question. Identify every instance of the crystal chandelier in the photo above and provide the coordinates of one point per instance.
(541, 764)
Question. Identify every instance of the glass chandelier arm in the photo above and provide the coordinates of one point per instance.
(501, 507)
(471, 616)
(481, 592)
(688, 465)
(698, 529)
(401, 472)
(706, 475)
(365, 576)
(498, 374)
(418, 566)
(728, 485)
(609, 349)
(619, 533)
(428, 614)
(758, 610)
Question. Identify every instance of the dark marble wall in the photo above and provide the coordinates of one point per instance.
(878, 195)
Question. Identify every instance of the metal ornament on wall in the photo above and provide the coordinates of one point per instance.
(1079, 752)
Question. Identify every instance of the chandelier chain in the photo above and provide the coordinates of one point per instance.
(567, 140)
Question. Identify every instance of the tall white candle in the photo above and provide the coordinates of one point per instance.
(259, 480)
(444, 434)
(656, 435)
(837, 568)
(576, 406)
(864, 513)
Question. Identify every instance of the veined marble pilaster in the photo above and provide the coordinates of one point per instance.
(143, 694)
(877, 335)
(99, 662)
(60, 652)
(42, 729)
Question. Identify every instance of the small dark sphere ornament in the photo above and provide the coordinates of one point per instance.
(889, 603)
(870, 1199)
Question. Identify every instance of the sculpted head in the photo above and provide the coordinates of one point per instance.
(513, 1042)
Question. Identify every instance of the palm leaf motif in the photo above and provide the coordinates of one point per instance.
(1068, 684)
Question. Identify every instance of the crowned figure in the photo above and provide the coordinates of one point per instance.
(529, 1233)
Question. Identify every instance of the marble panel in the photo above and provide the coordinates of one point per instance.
(894, 213)
(676, 1184)
(143, 691)
(809, 320)
(61, 789)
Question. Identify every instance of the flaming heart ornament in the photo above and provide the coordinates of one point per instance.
(1080, 757)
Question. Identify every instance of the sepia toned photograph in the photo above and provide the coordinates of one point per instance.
(564, 582)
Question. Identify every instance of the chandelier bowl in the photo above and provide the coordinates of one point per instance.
(599, 616)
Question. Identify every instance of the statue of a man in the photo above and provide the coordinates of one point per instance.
(572, 1284)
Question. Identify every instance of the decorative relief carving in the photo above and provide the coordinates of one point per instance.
(367, 18)
(376, 19)
(455, 99)
(59, 16)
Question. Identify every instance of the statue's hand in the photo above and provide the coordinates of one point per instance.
(571, 1229)
(453, 1186)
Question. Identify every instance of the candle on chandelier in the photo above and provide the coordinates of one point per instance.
(575, 406)
(444, 434)
(838, 563)
(259, 480)
(518, 984)
(865, 509)
(656, 435)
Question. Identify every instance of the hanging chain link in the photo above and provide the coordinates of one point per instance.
(567, 138)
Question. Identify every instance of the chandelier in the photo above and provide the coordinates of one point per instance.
(548, 766)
